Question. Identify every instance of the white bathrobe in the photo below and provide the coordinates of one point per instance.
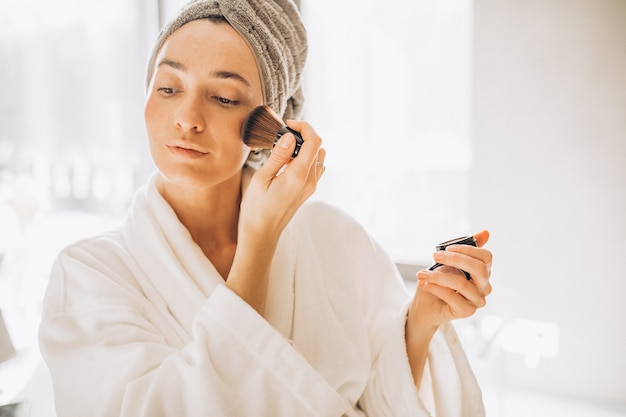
(138, 322)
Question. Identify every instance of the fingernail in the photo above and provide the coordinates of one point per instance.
(421, 283)
(286, 140)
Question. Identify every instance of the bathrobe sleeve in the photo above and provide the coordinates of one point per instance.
(449, 387)
(101, 339)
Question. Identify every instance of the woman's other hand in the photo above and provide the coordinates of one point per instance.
(446, 294)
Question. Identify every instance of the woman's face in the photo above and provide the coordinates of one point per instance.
(205, 84)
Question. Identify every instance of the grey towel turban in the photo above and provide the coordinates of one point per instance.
(275, 33)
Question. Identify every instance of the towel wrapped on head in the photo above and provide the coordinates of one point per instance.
(274, 31)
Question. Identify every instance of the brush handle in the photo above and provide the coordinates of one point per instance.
(299, 141)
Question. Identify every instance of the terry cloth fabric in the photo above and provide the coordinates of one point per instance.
(331, 342)
(275, 33)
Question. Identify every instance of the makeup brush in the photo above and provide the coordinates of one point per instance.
(263, 128)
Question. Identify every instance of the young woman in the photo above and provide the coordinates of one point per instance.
(223, 293)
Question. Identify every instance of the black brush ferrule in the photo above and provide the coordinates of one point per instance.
(299, 141)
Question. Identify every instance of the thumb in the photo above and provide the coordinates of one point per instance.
(281, 155)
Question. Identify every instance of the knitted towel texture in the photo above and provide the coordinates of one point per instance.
(274, 31)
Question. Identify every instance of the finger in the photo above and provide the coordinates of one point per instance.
(315, 173)
(304, 164)
(320, 168)
(467, 255)
(280, 155)
(310, 147)
(452, 279)
(321, 155)
(475, 261)
(457, 305)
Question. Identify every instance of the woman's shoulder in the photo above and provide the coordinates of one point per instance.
(98, 247)
(93, 254)
(319, 213)
(104, 256)
(90, 271)
(323, 222)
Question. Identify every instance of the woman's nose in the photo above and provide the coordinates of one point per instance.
(189, 115)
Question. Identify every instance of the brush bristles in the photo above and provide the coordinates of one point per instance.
(261, 128)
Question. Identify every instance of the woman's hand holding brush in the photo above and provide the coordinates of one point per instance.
(275, 193)
(283, 183)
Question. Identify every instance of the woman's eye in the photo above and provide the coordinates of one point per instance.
(166, 91)
(226, 101)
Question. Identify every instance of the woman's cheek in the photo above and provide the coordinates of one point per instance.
(150, 111)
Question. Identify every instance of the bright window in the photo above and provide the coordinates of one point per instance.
(72, 142)
(72, 99)
(388, 88)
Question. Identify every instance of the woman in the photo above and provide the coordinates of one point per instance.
(223, 293)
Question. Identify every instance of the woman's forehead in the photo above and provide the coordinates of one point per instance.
(206, 42)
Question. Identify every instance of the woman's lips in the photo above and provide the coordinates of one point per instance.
(185, 152)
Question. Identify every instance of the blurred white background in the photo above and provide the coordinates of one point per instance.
(440, 118)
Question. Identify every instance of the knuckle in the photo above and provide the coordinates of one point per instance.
(465, 285)
(467, 310)
(488, 258)
(456, 258)
(314, 145)
(296, 181)
(488, 289)
(485, 272)
(314, 140)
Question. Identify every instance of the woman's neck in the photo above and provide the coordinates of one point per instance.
(211, 214)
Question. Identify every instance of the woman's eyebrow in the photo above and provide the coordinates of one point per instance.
(225, 75)
(173, 64)
(230, 75)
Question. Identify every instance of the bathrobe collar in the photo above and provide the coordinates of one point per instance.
(179, 278)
